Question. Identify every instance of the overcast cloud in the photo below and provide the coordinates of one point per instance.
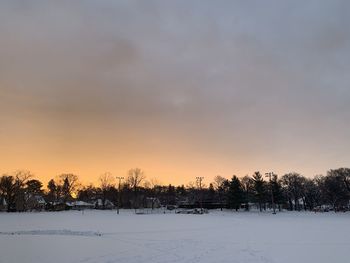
(255, 84)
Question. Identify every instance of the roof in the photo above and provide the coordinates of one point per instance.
(82, 203)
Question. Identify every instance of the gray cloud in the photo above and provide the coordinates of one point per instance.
(265, 82)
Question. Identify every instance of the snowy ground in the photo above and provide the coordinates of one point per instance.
(104, 236)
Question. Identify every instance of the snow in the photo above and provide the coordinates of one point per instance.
(103, 236)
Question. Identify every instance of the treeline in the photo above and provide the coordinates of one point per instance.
(21, 192)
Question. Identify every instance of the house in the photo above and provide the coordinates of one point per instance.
(57, 206)
(107, 204)
(36, 203)
(81, 205)
(152, 202)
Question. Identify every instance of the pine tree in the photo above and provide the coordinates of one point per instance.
(259, 189)
(52, 193)
(235, 194)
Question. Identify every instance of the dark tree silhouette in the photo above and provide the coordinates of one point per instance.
(259, 189)
(106, 183)
(34, 187)
(135, 178)
(344, 174)
(221, 186)
(334, 191)
(248, 188)
(293, 186)
(277, 191)
(69, 184)
(7, 189)
(12, 189)
(235, 194)
(52, 195)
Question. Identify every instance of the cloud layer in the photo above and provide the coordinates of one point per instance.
(179, 87)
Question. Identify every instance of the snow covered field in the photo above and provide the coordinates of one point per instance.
(104, 236)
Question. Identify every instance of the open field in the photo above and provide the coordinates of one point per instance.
(104, 236)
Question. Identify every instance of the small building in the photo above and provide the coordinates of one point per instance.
(36, 203)
(152, 202)
(81, 205)
(57, 206)
(107, 204)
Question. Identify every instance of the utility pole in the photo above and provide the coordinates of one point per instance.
(199, 180)
(120, 178)
(270, 174)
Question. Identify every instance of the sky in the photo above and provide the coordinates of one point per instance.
(178, 88)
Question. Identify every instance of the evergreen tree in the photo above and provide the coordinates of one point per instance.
(235, 193)
(259, 188)
(52, 193)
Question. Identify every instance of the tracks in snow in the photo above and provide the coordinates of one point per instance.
(63, 232)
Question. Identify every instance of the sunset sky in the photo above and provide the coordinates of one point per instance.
(178, 88)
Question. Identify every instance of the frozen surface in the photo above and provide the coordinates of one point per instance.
(104, 236)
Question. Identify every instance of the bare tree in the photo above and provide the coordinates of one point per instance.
(12, 188)
(334, 190)
(135, 178)
(69, 184)
(220, 184)
(218, 181)
(22, 176)
(293, 186)
(191, 185)
(21, 197)
(153, 185)
(106, 182)
(344, 174)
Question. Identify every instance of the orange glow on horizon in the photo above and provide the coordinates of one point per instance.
(179, 89)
